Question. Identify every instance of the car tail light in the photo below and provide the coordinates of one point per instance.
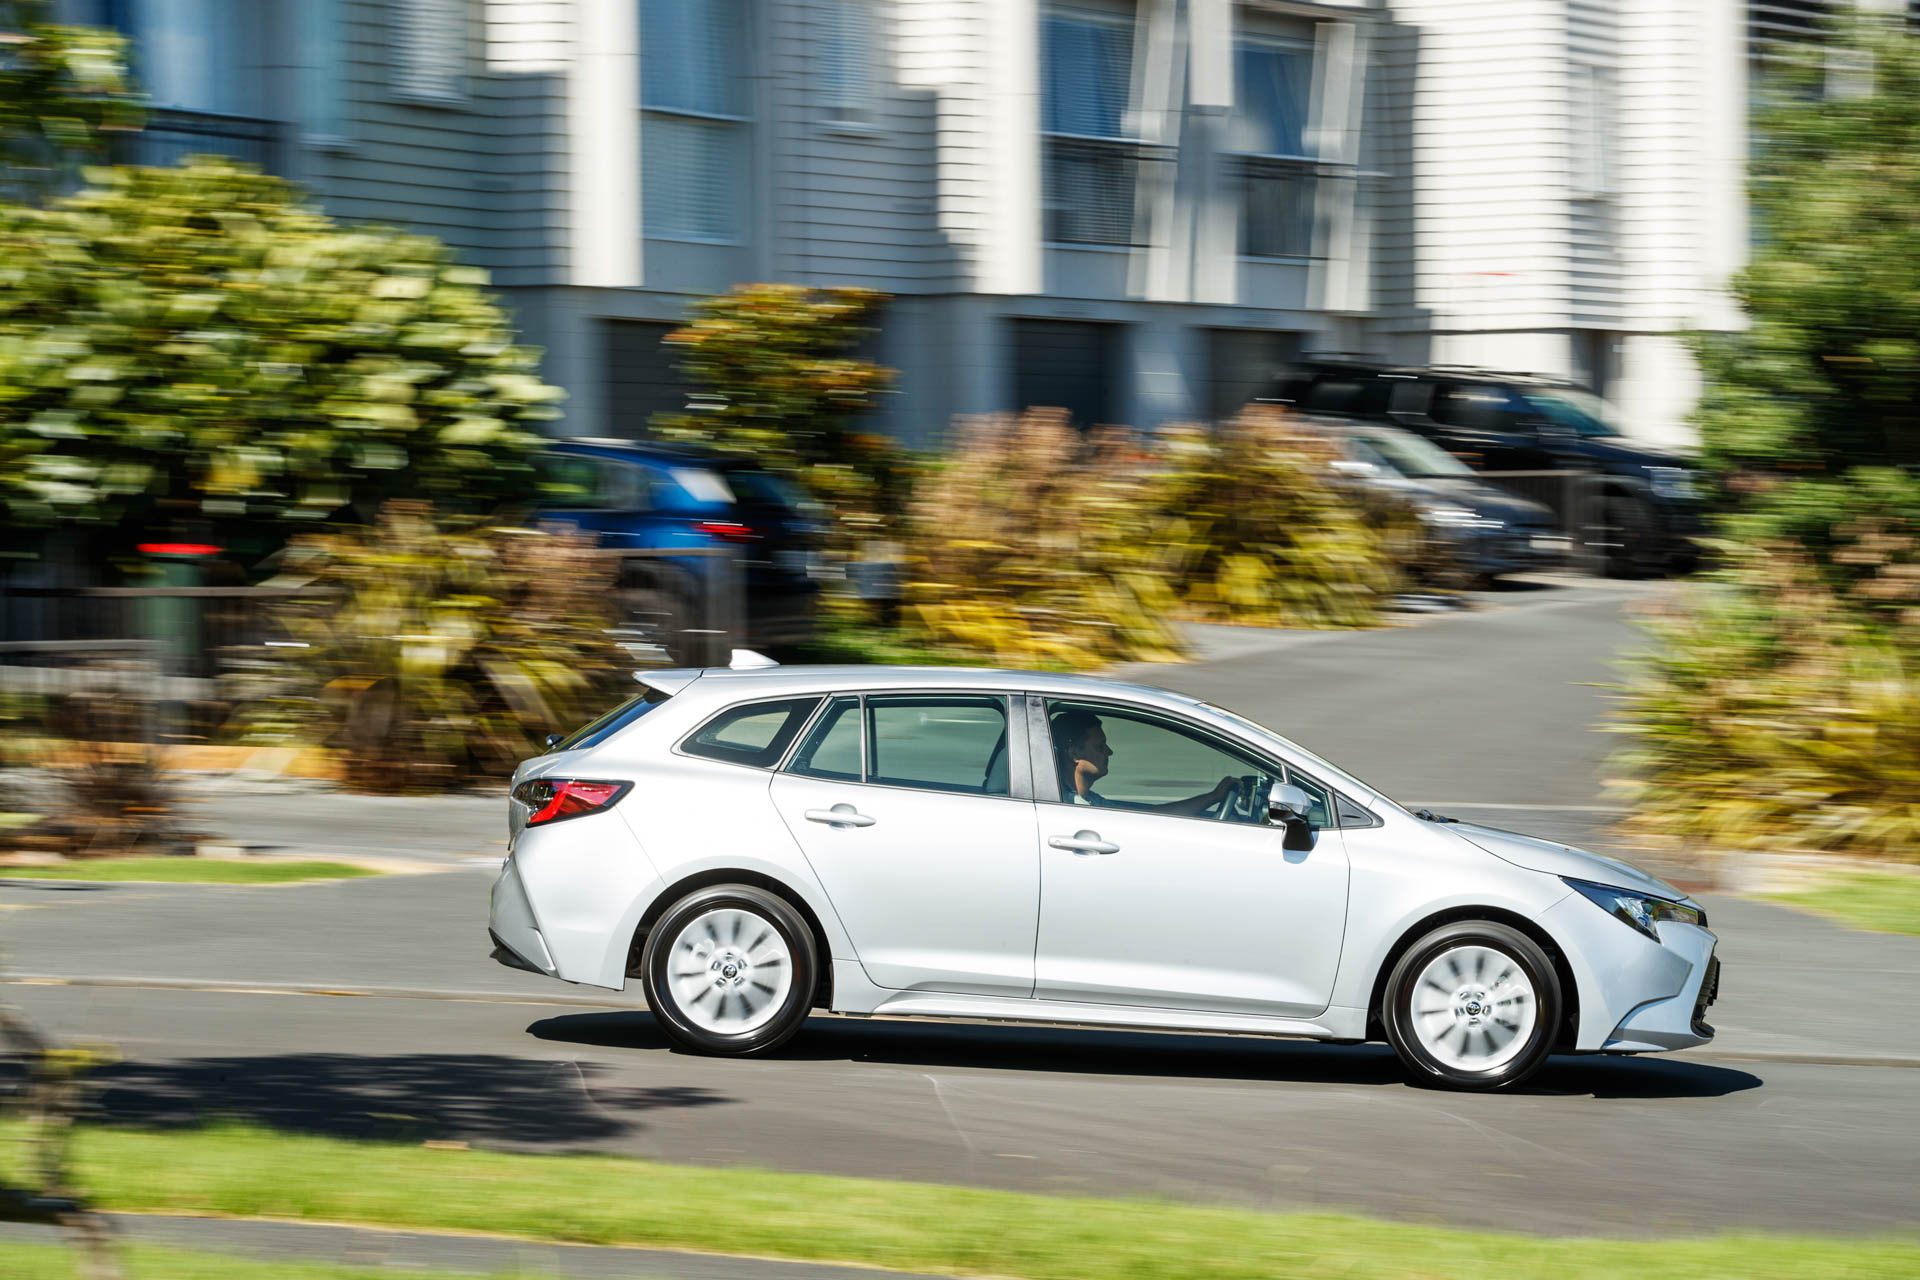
(726, 530)
(557, 799)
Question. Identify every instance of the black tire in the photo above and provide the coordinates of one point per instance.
(1403, 987)
(1629, 536)
(769, 911)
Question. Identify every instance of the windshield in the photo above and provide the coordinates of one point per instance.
(1329, 771)
(1413, 456)
(1581, 412)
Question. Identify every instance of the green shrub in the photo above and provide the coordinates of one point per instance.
(1030, 544)
(433, 653)
(1779, 713)
(1254, 528)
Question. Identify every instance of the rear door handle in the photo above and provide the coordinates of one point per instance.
(841, 815)
(1082, 842)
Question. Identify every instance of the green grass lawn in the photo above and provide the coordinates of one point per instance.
(55, 1262)
(1880, 900)
(189, 871)
(248, 1172)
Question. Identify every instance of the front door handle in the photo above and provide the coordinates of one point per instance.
(841, 815)
(1082, 842)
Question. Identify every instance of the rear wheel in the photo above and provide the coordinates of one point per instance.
(730, 970)
(1473, 1005)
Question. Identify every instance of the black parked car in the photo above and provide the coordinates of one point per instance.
(1489, 531)
(1643, 507)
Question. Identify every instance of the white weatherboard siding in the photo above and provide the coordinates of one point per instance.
(1565, 184)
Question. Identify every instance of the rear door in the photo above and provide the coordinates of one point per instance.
(915, 812)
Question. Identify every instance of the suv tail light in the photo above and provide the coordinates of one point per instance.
(557, 799)
(726, 530)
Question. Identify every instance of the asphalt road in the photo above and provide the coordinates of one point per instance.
(200, 989)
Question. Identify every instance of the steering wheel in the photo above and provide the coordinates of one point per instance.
(1243, 801)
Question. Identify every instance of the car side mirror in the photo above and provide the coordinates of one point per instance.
(1288, 806)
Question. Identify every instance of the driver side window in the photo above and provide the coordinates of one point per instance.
(1107, 756)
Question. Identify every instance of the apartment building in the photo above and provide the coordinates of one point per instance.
(1134, 209)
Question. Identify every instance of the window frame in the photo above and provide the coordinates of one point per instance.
(1019, 774)
(738, 124)
(1047, 784)
(405, 54)
(1304, 167)
(806, 721)
(1124, 143)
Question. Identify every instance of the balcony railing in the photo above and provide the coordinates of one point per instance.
(172, 134)
(1277, 207)
(1092, 185)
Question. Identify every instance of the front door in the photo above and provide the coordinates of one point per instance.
(1161, 882)
(904, 807)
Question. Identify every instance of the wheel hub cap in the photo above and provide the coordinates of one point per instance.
(729, 971)
(1474, 1008)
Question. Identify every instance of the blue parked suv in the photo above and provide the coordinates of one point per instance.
(647, 498)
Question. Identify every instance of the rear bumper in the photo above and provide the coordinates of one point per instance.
(517, 941)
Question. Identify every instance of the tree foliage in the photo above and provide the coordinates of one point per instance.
(197, 346)
(63, 91)
(1817, 403)
(777, 381)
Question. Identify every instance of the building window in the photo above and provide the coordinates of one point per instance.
(1092, 164)
(1590, 120)
(321, 117)
(846, 60)
(1276, 159)
(693, 131)
(430, 48)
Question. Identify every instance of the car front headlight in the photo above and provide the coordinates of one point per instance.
(1457, 518)
(1639, 910)
(1672, 483)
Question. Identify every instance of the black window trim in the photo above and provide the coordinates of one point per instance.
(1019, 775)
(820, 700)
(1047, 782)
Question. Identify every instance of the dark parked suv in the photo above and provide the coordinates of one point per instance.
(1641, 509)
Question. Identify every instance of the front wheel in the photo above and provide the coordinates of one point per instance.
(1472, 1005)
(730, 970)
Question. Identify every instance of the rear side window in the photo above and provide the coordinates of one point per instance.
(756, 733)
(598, 731)
(1361, 396)
(832, 748)
(939, 742)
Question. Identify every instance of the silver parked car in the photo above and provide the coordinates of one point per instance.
(752, 845)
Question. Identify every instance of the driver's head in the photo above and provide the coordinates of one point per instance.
(1078, 735)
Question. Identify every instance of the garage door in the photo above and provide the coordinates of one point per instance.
(642, 379)
(1066, 364)
(1241, 364)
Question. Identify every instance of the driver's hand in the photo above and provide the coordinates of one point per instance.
(1224, 788)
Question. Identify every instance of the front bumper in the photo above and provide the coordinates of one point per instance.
(1636, 995)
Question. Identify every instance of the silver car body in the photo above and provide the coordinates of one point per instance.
(961, 906)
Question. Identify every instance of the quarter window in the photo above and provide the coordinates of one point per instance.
(755, 734)
(940, 742)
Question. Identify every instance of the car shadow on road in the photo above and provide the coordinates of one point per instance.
(1123, 1053)
(481, 1098)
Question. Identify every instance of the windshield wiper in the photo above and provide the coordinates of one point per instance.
(1428, 815)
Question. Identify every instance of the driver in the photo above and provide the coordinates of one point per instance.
(1082, 756)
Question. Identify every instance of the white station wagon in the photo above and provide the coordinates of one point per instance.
(756, 844)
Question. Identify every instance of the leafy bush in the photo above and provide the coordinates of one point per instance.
(777, 381)
(446, 652)
(1253, 527)
(1032, 545)
(1779, 712)
(196, 344)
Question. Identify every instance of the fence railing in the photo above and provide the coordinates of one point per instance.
(671, 606)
